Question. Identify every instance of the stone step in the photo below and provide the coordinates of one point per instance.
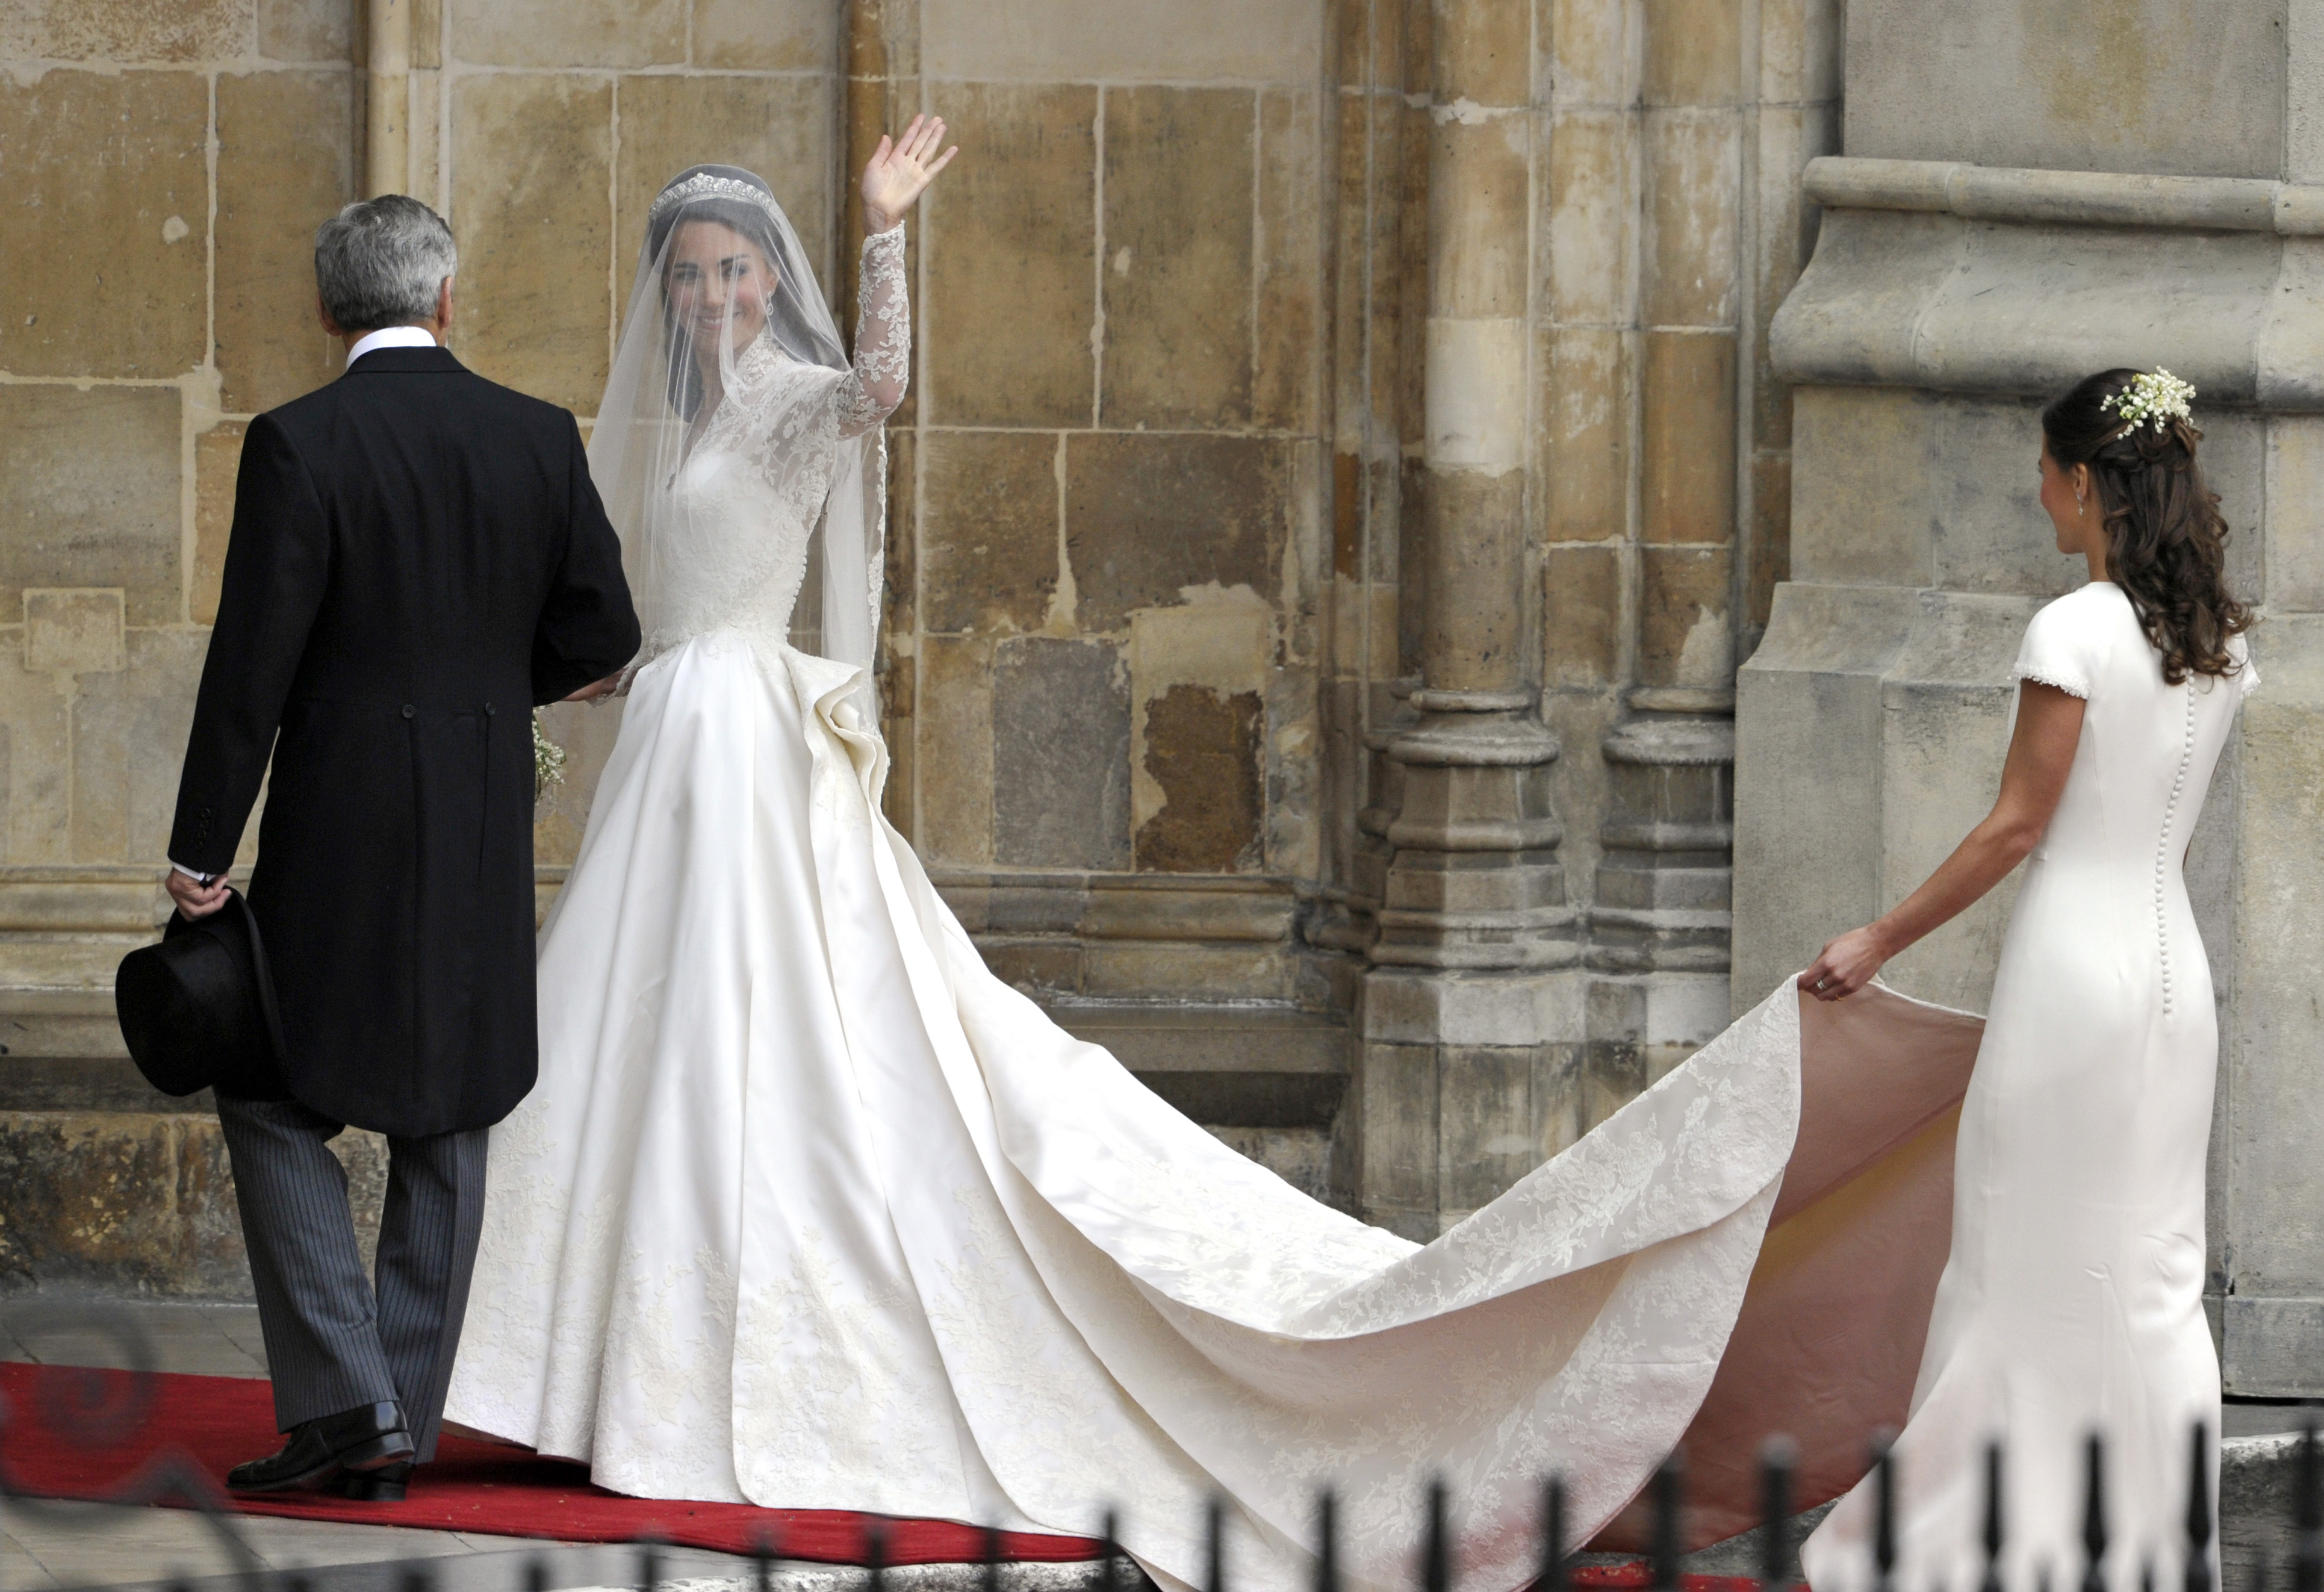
(1226, 1065)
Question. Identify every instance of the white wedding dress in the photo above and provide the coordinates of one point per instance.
(808, 1210)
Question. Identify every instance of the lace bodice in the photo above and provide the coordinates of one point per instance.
(737, 515)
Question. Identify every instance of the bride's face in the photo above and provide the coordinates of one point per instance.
(718, 284)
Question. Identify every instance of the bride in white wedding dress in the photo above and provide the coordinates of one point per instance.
(809, 1210)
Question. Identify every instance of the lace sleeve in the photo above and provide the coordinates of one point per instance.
(883, 338)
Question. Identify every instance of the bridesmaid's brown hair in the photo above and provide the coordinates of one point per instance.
(2166, 540)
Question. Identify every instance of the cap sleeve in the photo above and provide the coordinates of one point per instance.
(2057, 651)
(2247, 676)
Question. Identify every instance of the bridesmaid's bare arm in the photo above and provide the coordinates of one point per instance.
(2041, 755)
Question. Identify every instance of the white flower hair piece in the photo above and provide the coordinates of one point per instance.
(2157, 396)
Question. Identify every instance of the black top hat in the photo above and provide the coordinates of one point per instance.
(198, 1010)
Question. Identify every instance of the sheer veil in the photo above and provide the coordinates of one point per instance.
(654, 392)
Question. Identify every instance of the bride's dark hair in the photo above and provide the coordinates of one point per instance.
(2166, 541)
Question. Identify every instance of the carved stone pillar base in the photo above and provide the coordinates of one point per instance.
(1475, 881)
(1666, 884)
(1470, 1070)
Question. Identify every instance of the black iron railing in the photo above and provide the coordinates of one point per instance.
(106, 1409)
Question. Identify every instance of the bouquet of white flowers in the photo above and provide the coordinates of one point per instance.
(547, 761)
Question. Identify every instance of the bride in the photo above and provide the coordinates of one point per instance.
(810, 1210)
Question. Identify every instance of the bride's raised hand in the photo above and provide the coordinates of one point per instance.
(900, 171)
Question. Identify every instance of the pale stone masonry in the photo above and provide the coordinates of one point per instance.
(1350, 451)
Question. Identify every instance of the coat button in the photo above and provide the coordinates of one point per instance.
(408, 710)
(490, 710)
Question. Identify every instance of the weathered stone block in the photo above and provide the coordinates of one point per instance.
(1694, 170)
(1149, 516)
(529, 155)
(1010, 236)
(2295, 534)
(1202, 749)
(1486, 1137)
(1767, 554)
(35, 779)
(111, 30)
(1694, 53)
(1684, 636)
(218, 464)
(1060, 754)
(1581, 615)
(753, 35)
(1585, 421)
(1688, 468)
(105, 226)
(955, 749)
(1123, 41)
(2069, 91)
(123, 1202)
(1479, 196)
(1590, 44)
(1178, 225)
(1592, 243)
(779, 127)
(1860, 514)
(285, 162)
(129, 742)
(90, 494)
(1799, 52)
(990, 529)
(73, 632)
(1475, 628)
(311, 30)
(569, 32)
(1481, 53)
(1400, 1096)
(1285, 374)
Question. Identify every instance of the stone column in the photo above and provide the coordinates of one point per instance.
(1464, 1006)
(1659, 913)
(387, 134)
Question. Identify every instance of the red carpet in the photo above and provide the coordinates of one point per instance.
(101, 1436)
(82, 1434)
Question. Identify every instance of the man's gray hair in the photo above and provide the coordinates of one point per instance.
(382, 261)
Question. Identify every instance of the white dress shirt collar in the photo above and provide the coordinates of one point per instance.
(391, 336)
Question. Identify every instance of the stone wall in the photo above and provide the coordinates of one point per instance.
(1305, 390)
(1960, 279)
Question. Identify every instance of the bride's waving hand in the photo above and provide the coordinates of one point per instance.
(900, 169)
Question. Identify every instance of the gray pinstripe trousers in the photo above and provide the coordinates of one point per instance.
(335, 1340)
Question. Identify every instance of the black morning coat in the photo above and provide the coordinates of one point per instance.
(418, 558)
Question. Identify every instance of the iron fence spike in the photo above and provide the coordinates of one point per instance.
(2197, 1577)
(1435, 1564)
(1214, 1557)
(1554, 1560)
(1327, 1541)
(1884, 1524)
(1669, 1502)
(1993, 1520)
(1778, 1458)
(2094, 1516)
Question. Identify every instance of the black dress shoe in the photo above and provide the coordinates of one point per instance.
(365, 1437)
(384, 1485)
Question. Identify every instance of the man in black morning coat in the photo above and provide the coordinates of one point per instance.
(418, 558)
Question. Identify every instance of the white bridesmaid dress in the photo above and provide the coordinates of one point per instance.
(2072, 1301)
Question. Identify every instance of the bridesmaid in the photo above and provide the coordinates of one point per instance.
(2072, 1302)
